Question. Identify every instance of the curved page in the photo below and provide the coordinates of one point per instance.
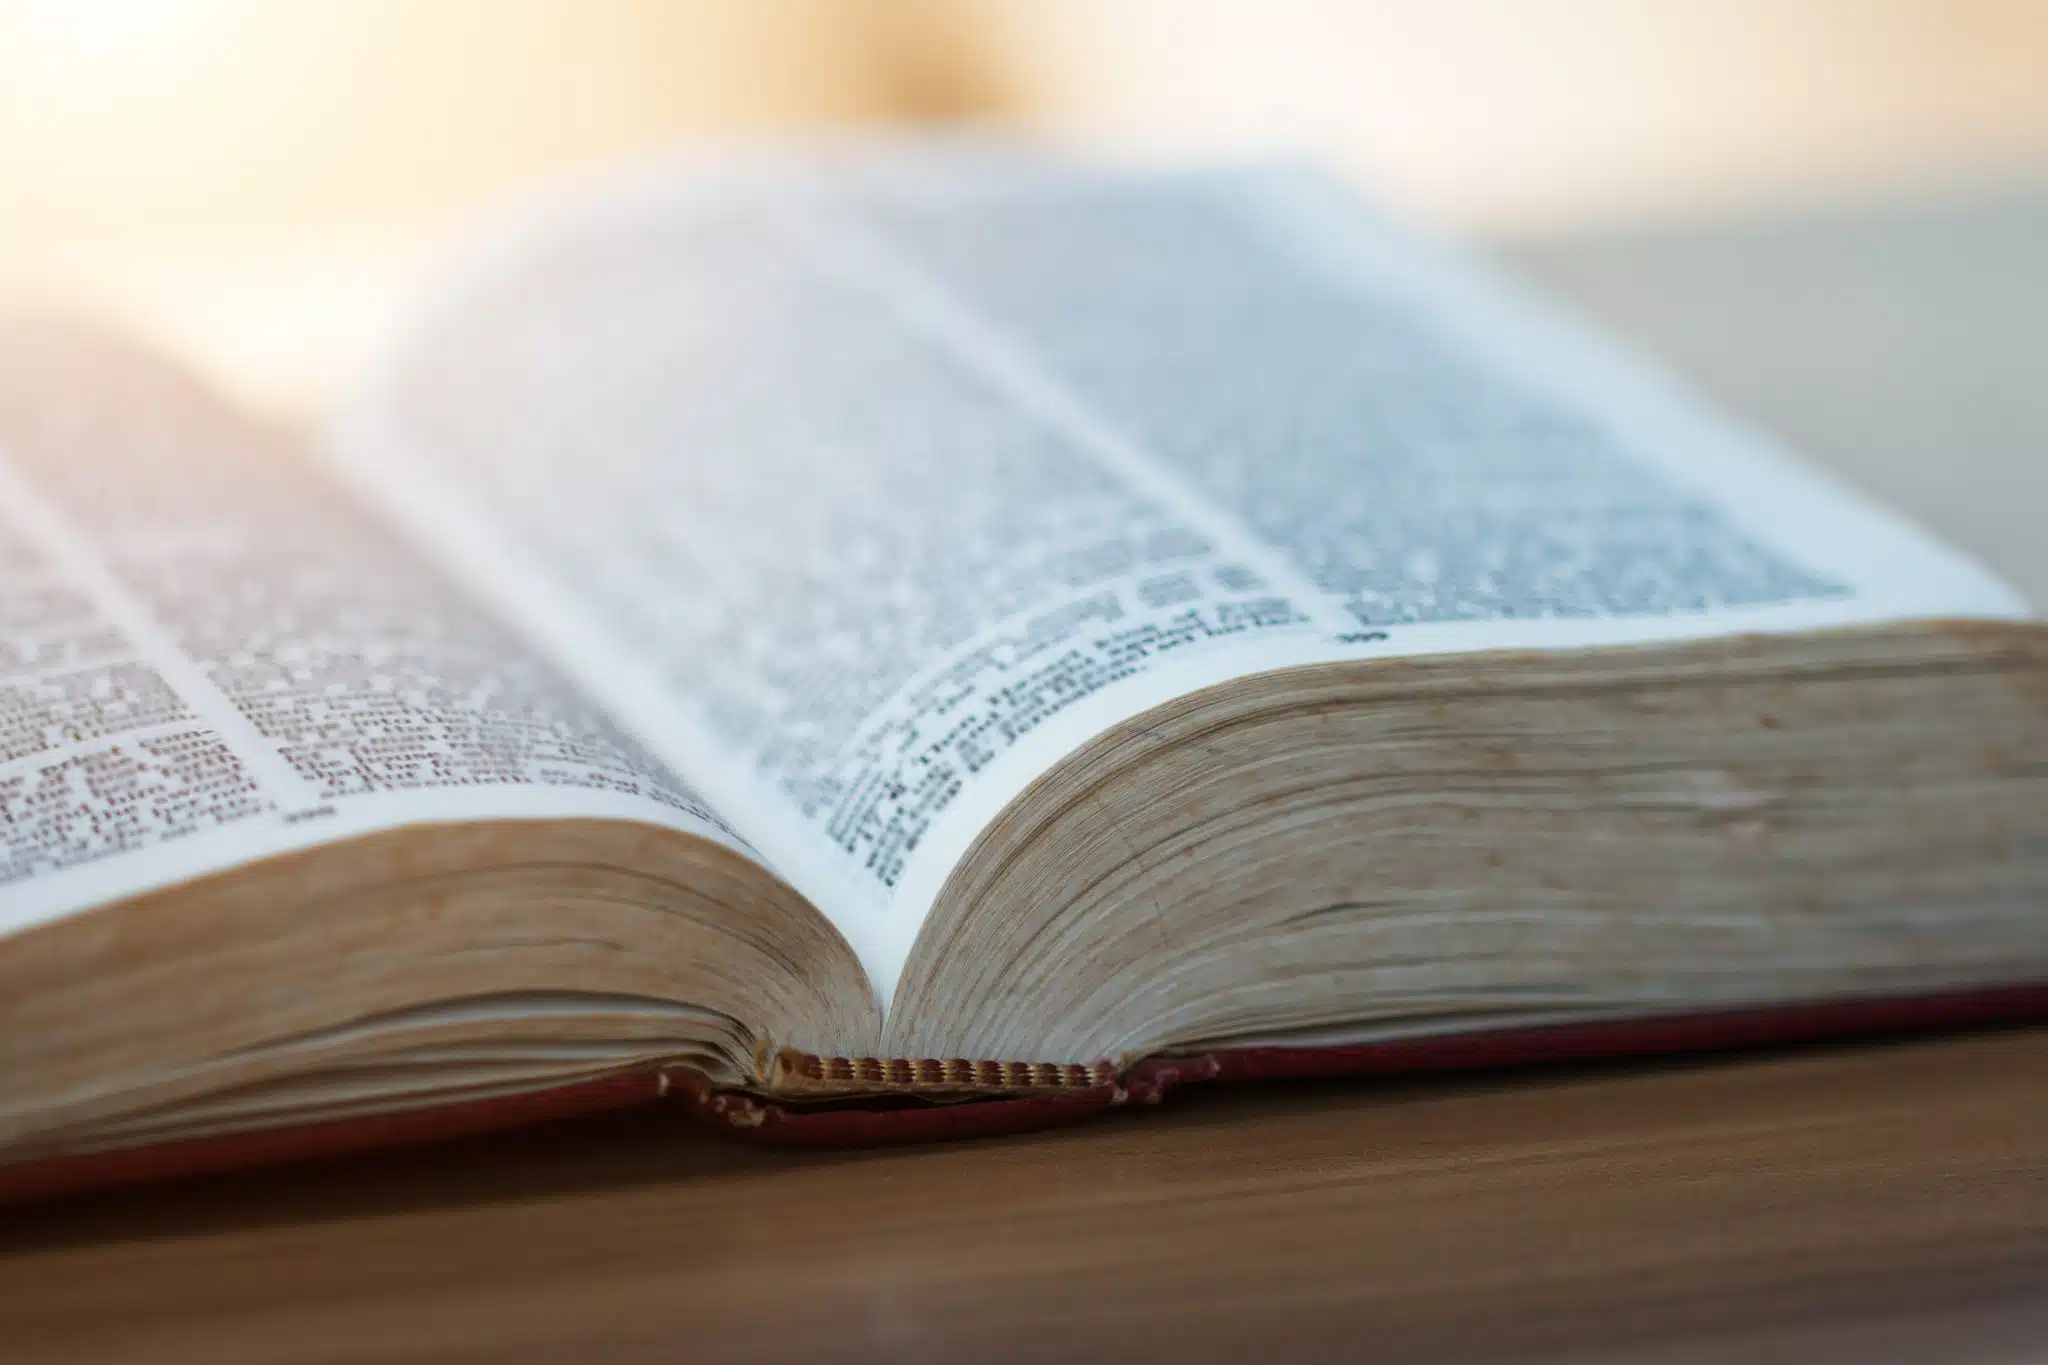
(212, 654)
(861, 505)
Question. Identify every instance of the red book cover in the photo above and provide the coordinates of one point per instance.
(1064, 1095)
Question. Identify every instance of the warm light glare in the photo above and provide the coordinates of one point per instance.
(222, 137)
(85, 63)
(112, 101)
(88, 30)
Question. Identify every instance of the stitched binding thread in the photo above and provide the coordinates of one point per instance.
(806, 1073)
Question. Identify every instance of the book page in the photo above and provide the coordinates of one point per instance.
(210, 654)
(862, 506)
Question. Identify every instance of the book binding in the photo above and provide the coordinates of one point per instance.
(833, 1102)
(807, 1076)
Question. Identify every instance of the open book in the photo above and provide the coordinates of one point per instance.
(884, 640)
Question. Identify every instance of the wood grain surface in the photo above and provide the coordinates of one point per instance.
(1804, 1205)
(1871, 1204)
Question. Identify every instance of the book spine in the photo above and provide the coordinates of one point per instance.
(807, 1076)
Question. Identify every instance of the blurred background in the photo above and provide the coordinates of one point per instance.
(258, 182)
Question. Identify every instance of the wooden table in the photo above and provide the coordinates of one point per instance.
(1871, 1202)
(1875, 1203)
